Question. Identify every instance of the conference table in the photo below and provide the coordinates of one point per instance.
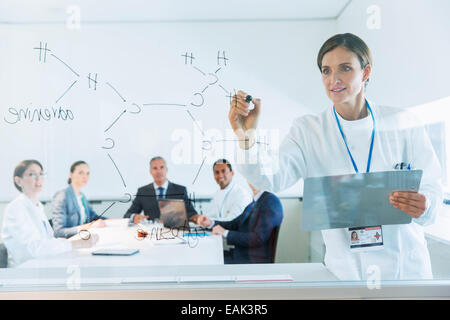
(161, 246)
(165, 266)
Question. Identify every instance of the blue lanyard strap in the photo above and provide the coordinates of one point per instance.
(345, 141)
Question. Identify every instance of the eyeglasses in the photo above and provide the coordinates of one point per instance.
(34, 175)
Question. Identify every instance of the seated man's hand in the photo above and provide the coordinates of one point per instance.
(203, 221)
(138, 218)
(218, 230)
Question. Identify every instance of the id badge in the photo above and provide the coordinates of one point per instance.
(365, 238)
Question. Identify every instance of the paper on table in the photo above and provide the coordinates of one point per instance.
(109, 244)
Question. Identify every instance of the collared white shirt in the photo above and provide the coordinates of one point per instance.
(82, 209)
(258, 195)
(155, 186)
(165, 186)
(27, 233)
(314, 148)
(228, 203)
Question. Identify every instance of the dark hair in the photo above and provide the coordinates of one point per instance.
(222, 161)
(21, 168)
(350, 42)
(73, 167)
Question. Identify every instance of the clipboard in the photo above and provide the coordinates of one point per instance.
(355, 200)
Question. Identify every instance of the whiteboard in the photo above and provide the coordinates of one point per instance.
(116, 95)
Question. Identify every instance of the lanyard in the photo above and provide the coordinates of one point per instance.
(345, 141)
(46, 229)
(223, 202)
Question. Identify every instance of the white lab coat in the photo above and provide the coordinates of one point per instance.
(314, 147)
(27, 233)
(229, 203)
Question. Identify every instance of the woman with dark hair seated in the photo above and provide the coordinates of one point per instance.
(70, 209)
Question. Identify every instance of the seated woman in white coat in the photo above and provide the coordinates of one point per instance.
(352, 135)
(26, 231)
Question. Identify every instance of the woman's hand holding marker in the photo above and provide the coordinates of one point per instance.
(243, 120)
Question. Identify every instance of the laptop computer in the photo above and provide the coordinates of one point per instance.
(355, 200)
(173, 214)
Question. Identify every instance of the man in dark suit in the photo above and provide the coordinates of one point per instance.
(147, 196)
(254, 232)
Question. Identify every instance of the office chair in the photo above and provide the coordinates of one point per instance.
(273, 239)
(3, 256)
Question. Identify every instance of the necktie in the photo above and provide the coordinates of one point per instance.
(160, 193)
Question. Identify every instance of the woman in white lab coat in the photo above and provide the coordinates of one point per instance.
(26, 231)
(352, 135)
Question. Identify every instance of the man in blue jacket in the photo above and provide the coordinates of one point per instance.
(253, 233)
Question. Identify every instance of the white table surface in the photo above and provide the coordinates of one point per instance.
(204, 250)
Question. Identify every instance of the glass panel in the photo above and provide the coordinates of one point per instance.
(109, 115)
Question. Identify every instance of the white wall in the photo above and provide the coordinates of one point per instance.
(410, 48)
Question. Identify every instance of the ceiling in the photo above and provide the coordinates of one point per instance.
(125, 11)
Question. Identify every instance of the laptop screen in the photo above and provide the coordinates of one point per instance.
(173, 213)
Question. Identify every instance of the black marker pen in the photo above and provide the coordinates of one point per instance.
(249, 99)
